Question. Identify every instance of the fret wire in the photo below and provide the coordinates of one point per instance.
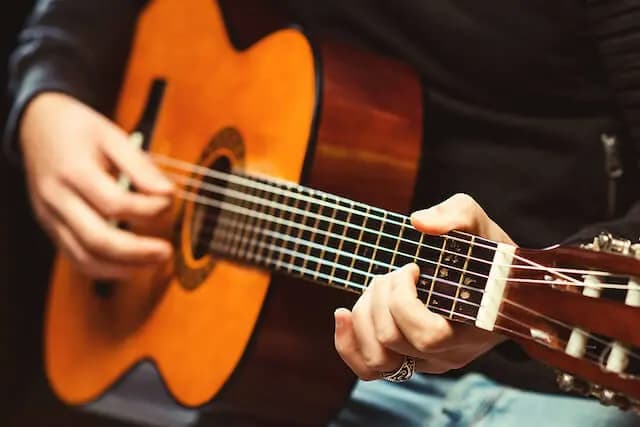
(240, 228)
(403, 224)
(436, 271)
(395, 250)
(415, 257)
(344, 235)
(253, 222)
(268, 223)
(256, 222)
(278, 224)
(326, 237)
(286, 232)
(375, 248)
(464, 268)
(307, 207)
(353, 258)
(312, 235)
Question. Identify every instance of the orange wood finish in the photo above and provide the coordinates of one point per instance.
(196, 337)
(261, 345)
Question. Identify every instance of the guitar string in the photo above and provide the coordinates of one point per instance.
(225, 192)
(351, 285)
(193, 168)
(203, 200)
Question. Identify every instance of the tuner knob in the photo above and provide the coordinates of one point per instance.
(565, 381)
(611, 398)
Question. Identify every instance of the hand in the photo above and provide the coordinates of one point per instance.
(389, 321)
(68, 151)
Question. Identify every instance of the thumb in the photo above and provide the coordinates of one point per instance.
(459, 212)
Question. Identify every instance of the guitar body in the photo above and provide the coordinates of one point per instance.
(258, 346)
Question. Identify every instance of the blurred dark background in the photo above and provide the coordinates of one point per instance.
(25, 257)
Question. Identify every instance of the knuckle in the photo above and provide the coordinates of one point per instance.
(423, 342)
(46, 189)
(112, 205)
(388, 337)
(75, 172)
(375, 362)
(98, 243)
(465, 200)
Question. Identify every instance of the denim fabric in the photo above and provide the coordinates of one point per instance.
(473, 400)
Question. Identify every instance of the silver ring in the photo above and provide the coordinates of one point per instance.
(403, 373)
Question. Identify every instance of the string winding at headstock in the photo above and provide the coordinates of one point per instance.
(578, 309)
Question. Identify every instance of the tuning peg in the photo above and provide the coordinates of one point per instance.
(569, 383)
(611, 398)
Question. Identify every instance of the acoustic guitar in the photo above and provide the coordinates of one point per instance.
(277, 151)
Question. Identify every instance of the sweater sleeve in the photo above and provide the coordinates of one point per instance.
(75, 47)
(615, 26)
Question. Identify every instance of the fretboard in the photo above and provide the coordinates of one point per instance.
(341, 243)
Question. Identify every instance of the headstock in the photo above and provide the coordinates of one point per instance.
(578, 309)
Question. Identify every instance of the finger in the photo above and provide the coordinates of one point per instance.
(101, 239)
(83, 260)
(347, 346)
(376, 356)
(459, 212)
(112, 201)
(387, 332)
(135, 164)
(425, 331)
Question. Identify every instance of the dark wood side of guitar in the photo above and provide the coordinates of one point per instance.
(366, 146)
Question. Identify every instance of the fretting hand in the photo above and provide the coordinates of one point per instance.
(389, 322)
(68, 150)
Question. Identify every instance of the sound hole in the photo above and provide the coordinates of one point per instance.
(206, 211)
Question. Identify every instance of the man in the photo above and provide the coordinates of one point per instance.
(517, 100)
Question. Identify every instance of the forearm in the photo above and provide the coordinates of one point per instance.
(70, 46)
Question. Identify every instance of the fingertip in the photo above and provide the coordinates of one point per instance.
(413, 270)
(429, 221)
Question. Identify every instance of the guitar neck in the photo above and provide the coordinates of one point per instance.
(337, 242)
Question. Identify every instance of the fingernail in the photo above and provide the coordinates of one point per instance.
(337, 319)
(422, 213)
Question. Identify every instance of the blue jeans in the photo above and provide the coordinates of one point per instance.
(473, 400)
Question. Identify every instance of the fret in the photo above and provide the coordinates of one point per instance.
(435, 273)
(316, 234)
(244, 236)
(395, 250)
(407, 246)
(327, 227)
(221, 234)
(290, 216)
(416, 256)
(378, 236)
(241, 222)
(460, 280)
(270, 212)
(302, 232)
(358, 276)
(341, 242)
(257, 223)
(387, 243)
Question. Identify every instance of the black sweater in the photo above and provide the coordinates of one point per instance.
(519, 94)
